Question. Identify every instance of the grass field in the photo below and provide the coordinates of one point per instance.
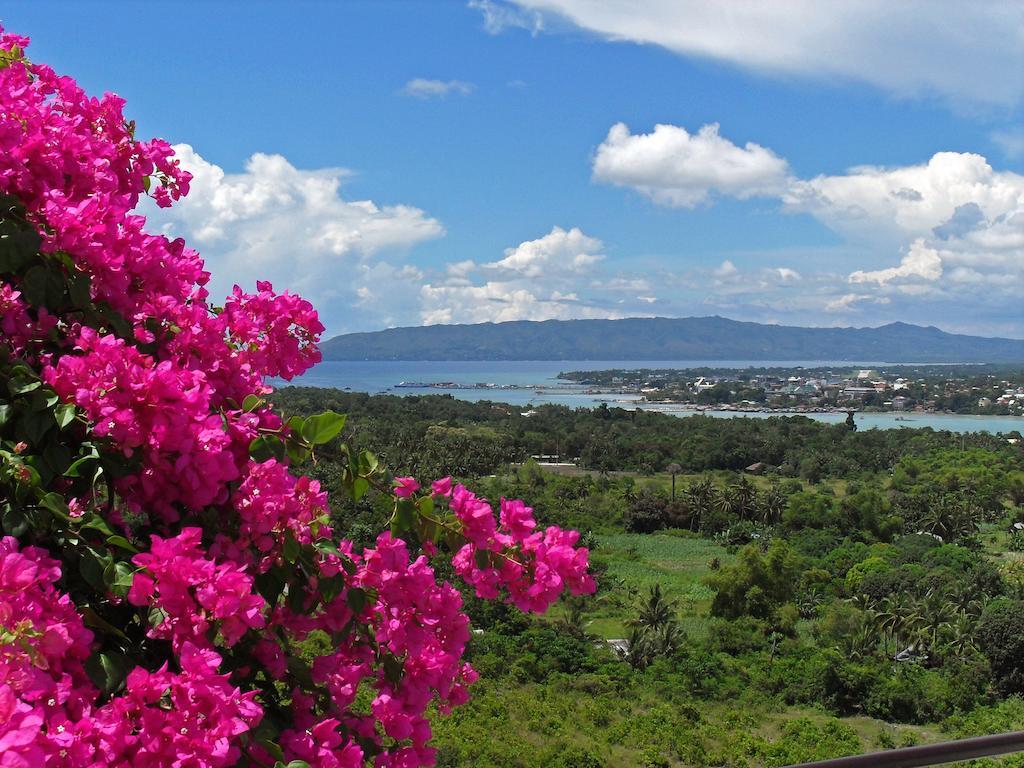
(636, 562)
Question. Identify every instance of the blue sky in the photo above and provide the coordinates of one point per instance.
(413, 162)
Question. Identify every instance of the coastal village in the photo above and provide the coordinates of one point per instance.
(957, 390)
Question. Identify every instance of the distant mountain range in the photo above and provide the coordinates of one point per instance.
(662, 338)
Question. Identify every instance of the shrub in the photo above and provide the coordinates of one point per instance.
(170, 587)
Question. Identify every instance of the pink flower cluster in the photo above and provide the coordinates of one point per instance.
(161, 377)
(47, 711)
(193, 591)
(16, 325)
(533, 568)
(158, 407)
(278, 333)
(269, 502)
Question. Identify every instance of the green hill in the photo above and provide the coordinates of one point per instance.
(662, 338)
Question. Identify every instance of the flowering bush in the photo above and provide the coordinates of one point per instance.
(164, 571)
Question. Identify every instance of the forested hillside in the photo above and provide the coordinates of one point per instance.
(662, 338)
(862, 590)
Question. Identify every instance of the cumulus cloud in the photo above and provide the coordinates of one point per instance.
(498, 302)
(871, 202)
(920, 261)
(536, 280)
(953, 223)
(422, 88)
(849, 301)
(674, 167)
(558, 251)
(290, 226)
(902, 48)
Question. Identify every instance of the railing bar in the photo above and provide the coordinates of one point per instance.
(928, 754)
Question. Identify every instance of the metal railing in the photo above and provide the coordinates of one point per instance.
(929, 754)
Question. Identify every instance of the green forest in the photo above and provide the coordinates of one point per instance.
(852, 591)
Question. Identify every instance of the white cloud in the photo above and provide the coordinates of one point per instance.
(558, 251)
(674, 167)
(292, 227)
(872, 202)
(950, 222)
(963, 52)
(423, 88)
(848, 302)
(536, 280)
(498, 17)
(920, 261)
(725, 270)
(498, 302)
(787, 275)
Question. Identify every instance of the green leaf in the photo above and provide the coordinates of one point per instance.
(360, 486)
(273, 750)
(123, 543)
(357, 599)
(96, 523)
(14, 521)
(252, 402)
(94, 621)
(368, 463)
(92, 565)
(323, 427)
(120, 581)
(330, 586)
(55, 503)
(79, 292)
(483, 559)
(5, 413)
(42, 288)
(298, 453)
(36, 424)
(17, 248)
(108, 670)
(266, 447)
(22, 381)
(64, 414)
(270, 585)
(291, 547)
(404, 518)
(393, 669)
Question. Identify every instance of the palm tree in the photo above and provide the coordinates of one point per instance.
(638, 651)
(654, 612)
(936, 614)
(773, 504)
(725, 501)
(673, 469)
(700, 496)
(960, 637)
(809, 602)
(892, 618)
(573, 620)
(744, 495)
(667, 638)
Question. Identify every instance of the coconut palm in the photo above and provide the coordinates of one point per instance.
(666, 639)
(959, 640)
(654, 612)
(744, 498)
(638, 651)
(773, 504)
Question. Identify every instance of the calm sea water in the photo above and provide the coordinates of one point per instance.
(542, 385)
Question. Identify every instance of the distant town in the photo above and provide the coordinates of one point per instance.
(967, 389)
